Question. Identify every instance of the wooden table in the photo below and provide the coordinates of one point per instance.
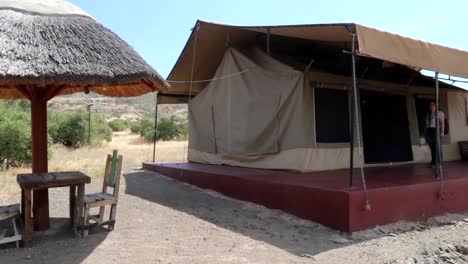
(36, 181)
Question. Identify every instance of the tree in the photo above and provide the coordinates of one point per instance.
(71, 129)
(15, 137)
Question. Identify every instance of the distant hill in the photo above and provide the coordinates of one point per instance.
(128, 108)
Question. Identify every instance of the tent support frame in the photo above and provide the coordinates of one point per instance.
(452, 80)
(353, 111)
(268, 41)
(438, 170)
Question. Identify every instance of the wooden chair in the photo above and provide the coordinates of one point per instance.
(112, 175)
(11, 212)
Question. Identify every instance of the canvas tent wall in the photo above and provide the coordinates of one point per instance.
(277, 111)
(266, 116)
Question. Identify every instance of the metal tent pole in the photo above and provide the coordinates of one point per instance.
(89, 126)
(438, 132)
(268, 41)
(353, 113)
(155, 127)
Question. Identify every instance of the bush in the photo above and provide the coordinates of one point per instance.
(15, 137)
(171, 128)
(137, 127)
(134, 127)
(118, 125)
(71, 129)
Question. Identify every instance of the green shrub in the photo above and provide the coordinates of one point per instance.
(100, 130)
(24, 105)
(171, 128)
(118, 125)
(15, 137)
(71, 129)
(137, 127)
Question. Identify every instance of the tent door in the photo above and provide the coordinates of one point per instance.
(385, 128)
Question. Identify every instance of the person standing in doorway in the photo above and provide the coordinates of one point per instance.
(431, 133)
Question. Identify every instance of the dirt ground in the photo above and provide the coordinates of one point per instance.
(92, 160)
(160, 220)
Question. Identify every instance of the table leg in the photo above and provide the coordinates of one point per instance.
(28, 224)
(79, 207)
(23, 206)
(72, 205)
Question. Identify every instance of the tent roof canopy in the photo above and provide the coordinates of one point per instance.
(377, 48)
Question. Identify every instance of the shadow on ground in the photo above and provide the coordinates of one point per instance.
(276, 228)
(54, 246)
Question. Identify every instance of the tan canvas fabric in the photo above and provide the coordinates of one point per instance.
(331, 33)
(259, 111)
(311, 159)
(458, 115)
(212, 39)
(264, 118)
(415, 53)
(170, 99)
(298, 159)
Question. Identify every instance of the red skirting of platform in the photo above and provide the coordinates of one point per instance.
(407, 192)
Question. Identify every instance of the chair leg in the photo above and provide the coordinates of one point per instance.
(112, 217)
(85, 222)
(16, 231)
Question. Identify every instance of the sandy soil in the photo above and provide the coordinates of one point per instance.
(160, 220)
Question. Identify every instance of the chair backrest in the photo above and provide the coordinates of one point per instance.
(113, 172)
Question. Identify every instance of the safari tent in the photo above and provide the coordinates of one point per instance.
(320, 121)
(281, 97)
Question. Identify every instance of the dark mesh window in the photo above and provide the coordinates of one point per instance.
(331, 116)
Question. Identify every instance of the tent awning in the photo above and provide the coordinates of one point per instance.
(213, 40)
(414, 53)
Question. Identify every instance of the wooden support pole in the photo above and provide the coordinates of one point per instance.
(39, 155)
(155, 127)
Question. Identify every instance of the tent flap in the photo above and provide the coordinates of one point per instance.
(259, 112)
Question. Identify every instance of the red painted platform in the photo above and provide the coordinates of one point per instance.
(407, 192)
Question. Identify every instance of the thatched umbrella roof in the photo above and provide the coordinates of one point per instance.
(51, 47)
(55, 43)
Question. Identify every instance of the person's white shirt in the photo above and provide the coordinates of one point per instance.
(431, 120)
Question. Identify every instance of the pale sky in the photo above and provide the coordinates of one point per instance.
(159, 29)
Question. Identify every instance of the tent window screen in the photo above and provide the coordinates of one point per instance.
(331, 116)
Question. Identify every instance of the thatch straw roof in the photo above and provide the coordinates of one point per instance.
(55, 44)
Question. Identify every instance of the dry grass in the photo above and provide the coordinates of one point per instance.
(91, 160)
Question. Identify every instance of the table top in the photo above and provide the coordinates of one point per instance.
(51, 179)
